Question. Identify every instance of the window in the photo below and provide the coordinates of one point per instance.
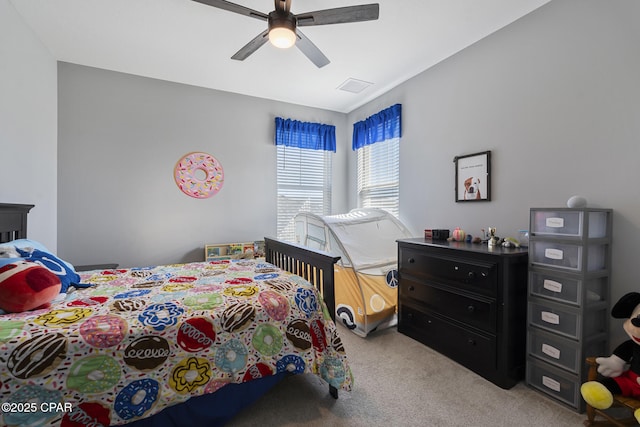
(304, 185)
(303, 171)
(379, 177)
(377, 142)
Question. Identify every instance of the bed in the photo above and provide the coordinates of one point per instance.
(183, 344)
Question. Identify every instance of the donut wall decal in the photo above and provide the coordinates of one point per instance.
(199, 175)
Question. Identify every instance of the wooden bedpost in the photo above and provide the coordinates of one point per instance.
(13, 221)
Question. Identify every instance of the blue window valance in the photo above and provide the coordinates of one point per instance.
(383, 125)
(315, 136)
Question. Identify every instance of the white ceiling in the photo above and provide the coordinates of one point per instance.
(188, 42)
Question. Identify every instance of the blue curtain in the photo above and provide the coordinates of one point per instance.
(381, 126)
(315, 136)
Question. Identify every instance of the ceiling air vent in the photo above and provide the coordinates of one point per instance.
(354, 85)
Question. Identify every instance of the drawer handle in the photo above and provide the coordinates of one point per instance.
(471, 274)
(471, 341)
(471, 309)
(411, 260)
(412, 288)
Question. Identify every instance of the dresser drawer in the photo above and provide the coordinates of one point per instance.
(568, 321)
(475, 311)
(563, 352)
(554, 382)
(473, 275)
(567, 289)
(472, 349)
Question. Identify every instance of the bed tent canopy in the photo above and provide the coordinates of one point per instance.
(366, 275)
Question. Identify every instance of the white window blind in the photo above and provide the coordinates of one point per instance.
(379, 176)
(304, 185)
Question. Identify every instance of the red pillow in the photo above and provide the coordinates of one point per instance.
(26, 286)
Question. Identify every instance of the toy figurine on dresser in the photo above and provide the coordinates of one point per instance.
(621, 370)
(493, 239)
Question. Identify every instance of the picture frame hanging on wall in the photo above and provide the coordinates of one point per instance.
(473, 177)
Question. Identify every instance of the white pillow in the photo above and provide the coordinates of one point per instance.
(24, 244)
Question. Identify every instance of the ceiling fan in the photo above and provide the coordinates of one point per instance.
(283, 32)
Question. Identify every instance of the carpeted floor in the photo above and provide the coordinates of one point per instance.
(400, 382)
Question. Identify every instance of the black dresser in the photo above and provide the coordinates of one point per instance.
(468, 302)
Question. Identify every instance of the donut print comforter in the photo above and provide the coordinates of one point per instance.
(143, 339)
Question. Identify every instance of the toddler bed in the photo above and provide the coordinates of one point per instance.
(367, 273)
(185, 344)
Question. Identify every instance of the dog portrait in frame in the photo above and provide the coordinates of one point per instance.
(473, 177)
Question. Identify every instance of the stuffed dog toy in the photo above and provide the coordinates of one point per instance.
(472, 188)
(621, 370)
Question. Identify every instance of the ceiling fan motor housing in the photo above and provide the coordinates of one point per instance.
(281, 19)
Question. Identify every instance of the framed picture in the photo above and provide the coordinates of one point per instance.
(473, 177)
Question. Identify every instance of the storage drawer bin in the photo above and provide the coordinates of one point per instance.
(554, 382)
(568, 223)
(566, 289)
(566, 320)
(568, 256)
(563, 352)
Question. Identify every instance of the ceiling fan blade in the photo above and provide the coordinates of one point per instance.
(340, 15)
(252, 46)
(232, 7)
(311, 51)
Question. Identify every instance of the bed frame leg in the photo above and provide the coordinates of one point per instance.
(333, 392)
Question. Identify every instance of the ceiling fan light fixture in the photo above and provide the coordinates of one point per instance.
(282, 37)
(282, 29)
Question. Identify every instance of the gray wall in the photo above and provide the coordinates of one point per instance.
(28, 124)
(120, 137)
(555, 97)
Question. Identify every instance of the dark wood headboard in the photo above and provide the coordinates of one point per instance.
(13, 221)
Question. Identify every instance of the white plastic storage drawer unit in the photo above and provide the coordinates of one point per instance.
(568, 256)
(567, 222)
(568, 289)
(560, 351)
(568, 298)
(554, 382)
(565, 320)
